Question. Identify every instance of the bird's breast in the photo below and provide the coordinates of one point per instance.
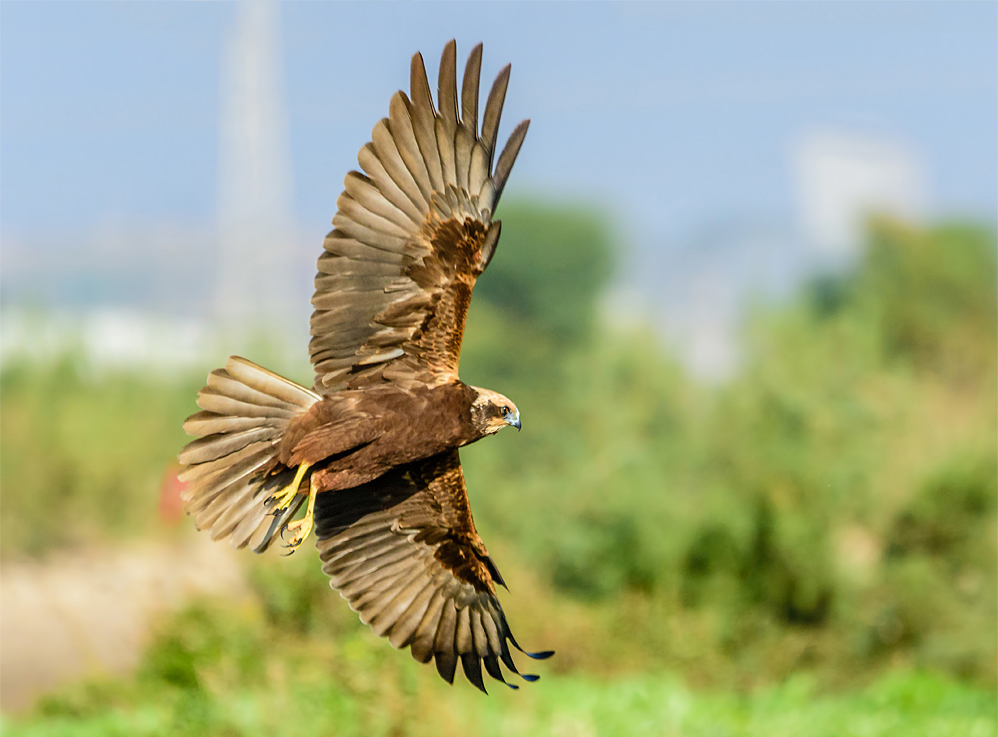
(428, 422)
(395, 426)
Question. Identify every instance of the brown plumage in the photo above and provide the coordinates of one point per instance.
(374, 445)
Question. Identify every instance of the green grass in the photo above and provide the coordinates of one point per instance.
(898, 705)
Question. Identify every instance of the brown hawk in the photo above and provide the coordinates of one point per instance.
(372, 449)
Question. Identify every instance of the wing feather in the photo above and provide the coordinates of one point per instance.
(505, 164)
(493, 112)
(370, 219)
(405, 626)
(469, 90)
(364, 233)
(462, 632)
(404, 553)
(366, 193)
(445, 148)
(390, 157)
(400, 120)
(411, 235)
(447, 88)
(346, 256)
(399, 605)
(463, 141)
(426, 631)
(477, 168)
(424, 121)
(368, 159)
(472, 665)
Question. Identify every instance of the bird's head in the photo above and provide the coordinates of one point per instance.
(491, 412)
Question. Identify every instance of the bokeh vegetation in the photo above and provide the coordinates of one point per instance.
(822, 520)
(832, 507)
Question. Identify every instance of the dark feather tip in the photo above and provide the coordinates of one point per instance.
(492, 666)
(446, 665)
(493, 570)
(544, 655)
(529, 677)
(473, 671)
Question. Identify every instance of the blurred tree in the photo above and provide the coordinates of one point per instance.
(932, 294)
(550, 268)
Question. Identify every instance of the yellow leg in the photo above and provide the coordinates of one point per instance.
(301, 528)
(282, 499)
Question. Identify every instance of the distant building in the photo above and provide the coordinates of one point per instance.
(842, 178)
(698, 290)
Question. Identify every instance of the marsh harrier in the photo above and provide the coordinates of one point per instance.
(371, 451)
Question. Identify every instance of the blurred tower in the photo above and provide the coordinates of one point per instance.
(258, 254)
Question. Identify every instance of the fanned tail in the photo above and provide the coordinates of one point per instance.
(246, 411)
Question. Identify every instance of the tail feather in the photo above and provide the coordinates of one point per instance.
(221, 471)
(206, 423)
(225, 384)
(214, 400)
(246, 410)
(259, 378)
(219, 445)
(205, 491)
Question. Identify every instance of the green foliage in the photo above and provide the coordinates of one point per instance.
(944, 516)
(843, 485)
(83, 455)
(932, 295)
(549, 269)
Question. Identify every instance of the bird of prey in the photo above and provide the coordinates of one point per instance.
(371, 451)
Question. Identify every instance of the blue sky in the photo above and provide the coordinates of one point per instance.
(672, 116)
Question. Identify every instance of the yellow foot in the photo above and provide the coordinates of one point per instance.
(282, 499)
(300, 529)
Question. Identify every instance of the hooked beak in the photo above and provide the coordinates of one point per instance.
(515, 422)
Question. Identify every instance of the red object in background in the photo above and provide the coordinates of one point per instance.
(171, 506)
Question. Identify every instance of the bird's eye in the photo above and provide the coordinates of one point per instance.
(505, 412)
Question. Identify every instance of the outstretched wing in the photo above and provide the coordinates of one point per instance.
(403, 551)
(411, 235)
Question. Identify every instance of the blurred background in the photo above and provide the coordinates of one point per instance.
(748, 268)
